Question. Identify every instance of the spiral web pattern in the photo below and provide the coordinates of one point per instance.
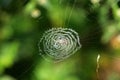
(57, 44)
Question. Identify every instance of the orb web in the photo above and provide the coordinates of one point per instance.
(57, 44)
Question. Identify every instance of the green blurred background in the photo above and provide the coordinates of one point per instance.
(22, 23)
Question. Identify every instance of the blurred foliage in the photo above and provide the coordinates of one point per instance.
(22, 23)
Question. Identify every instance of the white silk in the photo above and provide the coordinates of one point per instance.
(57, 44)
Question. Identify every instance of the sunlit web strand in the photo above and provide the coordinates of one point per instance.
(59, 43)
